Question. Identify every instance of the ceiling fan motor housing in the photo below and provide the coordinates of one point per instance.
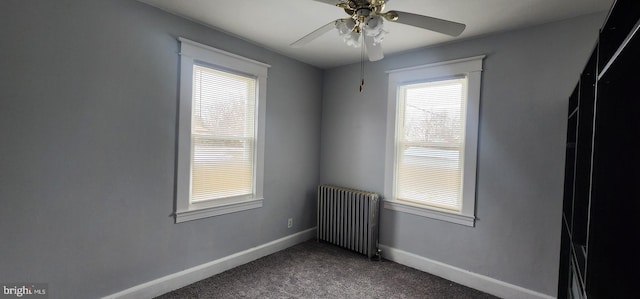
(362, 13)
(363, 8)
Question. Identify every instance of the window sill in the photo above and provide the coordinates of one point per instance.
(430, 213)
(202, 212)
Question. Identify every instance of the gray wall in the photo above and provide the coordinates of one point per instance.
(88, 98)
(528, 76)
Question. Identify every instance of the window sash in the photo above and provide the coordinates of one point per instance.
(222, 135)
(430, 172)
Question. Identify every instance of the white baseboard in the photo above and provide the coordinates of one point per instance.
(186, 277)
(473, 280)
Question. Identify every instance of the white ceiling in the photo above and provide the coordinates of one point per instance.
(275, 24)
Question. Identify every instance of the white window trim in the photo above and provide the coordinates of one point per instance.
(472, 68)
(190, 53)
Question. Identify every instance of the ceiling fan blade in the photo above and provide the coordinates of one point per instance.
(429, 23)
(313, 35)
(374, 51)
(330, 2)
(338, 3)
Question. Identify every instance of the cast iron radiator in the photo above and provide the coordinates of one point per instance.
(348, 218)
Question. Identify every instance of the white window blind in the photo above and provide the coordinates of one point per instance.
(222, 134)
(430, 143)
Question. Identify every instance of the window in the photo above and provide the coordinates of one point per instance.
(432, 140)
(220, 135)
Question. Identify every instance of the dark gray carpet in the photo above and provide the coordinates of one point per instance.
(319, 270)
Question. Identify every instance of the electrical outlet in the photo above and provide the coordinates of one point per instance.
(290, 223)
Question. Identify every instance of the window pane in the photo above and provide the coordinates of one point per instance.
(431, 143)
(434, 112)
(222, 134)
(430, 175)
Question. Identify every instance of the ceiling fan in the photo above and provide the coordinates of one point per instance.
(364, 26)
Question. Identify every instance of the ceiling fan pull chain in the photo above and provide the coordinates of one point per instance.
(362, 64)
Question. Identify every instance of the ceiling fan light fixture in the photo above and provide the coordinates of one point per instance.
(345, 26)
(378, 38)
(352, 39)
(373, 25)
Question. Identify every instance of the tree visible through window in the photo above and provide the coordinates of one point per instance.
(223, 131)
